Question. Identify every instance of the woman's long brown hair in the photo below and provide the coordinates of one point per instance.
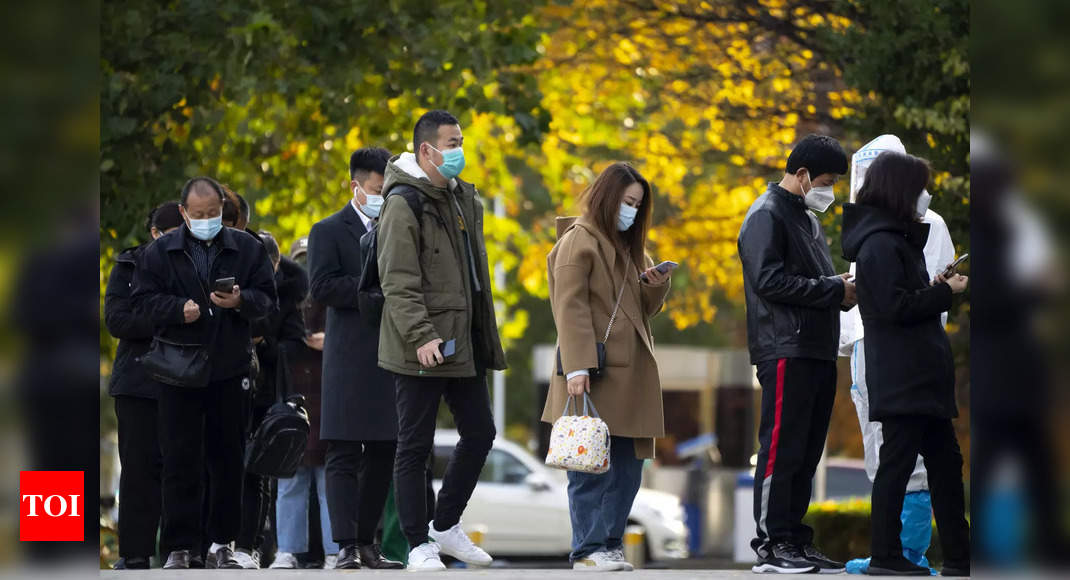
(602, 204)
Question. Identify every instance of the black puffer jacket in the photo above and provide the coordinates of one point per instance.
(134, 332)
(909, 367)
(283, 327)
(166, 278)
(793, 293)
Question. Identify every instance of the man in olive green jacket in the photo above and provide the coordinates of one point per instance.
(438, 334)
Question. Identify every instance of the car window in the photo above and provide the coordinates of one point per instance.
(501, 467)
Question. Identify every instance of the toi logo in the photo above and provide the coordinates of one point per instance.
(51, 506)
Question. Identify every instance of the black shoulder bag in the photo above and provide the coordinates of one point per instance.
(179, 364)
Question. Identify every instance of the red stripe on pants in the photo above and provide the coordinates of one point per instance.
(775, 439)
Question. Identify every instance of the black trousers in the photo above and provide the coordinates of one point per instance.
(797, 397)
(933, 438)
(140, 495)
(201, 428)
(417, 400)
(256, 489)
(358, 481)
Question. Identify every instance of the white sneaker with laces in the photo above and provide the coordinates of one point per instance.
(618, 556)
(424, 558)
(284, 561)
(600, 561)
(330, 561)
(454, 542)
(248, 560)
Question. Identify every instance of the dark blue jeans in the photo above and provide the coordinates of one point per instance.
(599, 504)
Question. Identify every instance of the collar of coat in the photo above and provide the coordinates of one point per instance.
(404, 169)
(176, 241)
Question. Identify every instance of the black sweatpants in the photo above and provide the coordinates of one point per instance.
(797, 397)
(140, 495)
(417, 401)
(358, 480)
(933, 438)
(198, 428)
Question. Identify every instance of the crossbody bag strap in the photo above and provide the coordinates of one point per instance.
(616, 307)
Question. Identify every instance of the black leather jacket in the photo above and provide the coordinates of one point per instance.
(793, 293)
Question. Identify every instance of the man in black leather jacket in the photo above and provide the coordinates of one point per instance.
(793, 326)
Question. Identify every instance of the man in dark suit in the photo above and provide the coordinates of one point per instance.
(359, 416)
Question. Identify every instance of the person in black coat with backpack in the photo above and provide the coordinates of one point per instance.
(909, 365)
(359, 417)
(135, 404)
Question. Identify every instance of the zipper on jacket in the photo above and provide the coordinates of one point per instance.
(207, 302)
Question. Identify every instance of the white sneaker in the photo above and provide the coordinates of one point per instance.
(618, 556)
(248, 560)
(599, 561)
(284, 561)
(424, 558)
(454, 542)
(330, 561)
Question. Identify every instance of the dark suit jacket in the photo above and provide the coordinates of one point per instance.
(358, 396)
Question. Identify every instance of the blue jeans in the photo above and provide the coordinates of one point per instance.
(292, 511)
(599, 504)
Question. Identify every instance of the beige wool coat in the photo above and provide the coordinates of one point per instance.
(585, 273)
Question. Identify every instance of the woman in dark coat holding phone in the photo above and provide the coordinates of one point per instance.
(909, 365)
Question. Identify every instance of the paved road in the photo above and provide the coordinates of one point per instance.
(472, 574)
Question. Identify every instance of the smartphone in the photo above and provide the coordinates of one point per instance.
(666, 266)
(448, 348)
(223, 285)
(953, 267)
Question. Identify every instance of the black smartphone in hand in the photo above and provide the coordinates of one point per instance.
(448, 348)
(953, 267)
(223, 285)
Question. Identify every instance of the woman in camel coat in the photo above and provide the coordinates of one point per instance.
(595, 261)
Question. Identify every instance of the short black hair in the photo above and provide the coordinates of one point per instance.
(367, 160)
(271, 245)
(893, 182)
(199, 183)
(820, 154)
(164, 216)
(426, 128)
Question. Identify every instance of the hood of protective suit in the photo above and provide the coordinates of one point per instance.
(863, 157)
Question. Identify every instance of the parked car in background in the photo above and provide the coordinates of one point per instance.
(520, 506)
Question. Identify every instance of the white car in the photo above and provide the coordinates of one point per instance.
(521, 506)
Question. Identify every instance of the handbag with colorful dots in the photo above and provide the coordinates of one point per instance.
(579, 442)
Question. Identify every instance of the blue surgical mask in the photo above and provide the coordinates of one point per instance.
(206, 229)
(372, 206)
(452, 162)
(626, 217)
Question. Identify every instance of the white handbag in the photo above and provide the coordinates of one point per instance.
(579, 442)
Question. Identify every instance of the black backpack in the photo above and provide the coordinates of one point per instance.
(277, 446)
(370, 299)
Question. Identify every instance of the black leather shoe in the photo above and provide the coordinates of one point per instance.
(371, 556)
(196, 563)
(899, 567)
(223, 558)
(133, 563)
(177, 560)
(348, 558)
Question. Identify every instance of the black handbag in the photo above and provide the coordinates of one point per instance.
(600, 347)
(177, 364)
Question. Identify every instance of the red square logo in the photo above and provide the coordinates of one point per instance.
(51, 506)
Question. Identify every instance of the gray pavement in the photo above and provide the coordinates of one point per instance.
(454, 574)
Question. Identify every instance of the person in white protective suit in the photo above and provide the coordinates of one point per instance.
(939, 252)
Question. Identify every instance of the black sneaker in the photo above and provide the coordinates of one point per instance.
(897, 567)
(955, 570)
(132, 563)
(825, 565)
(222, 558)
(782, 558)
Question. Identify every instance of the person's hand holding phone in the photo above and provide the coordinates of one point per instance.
(315, 340)
(429, 355)
(957, 282)
(190, 311)
(224, 300)
(850, 294)
(654, 277)
(578, 384)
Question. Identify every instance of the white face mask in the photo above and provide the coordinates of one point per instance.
(818, 198)
(626, 217)
(372, 205)
(923, 203)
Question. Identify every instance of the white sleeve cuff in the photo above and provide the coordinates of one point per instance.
(578, 373)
